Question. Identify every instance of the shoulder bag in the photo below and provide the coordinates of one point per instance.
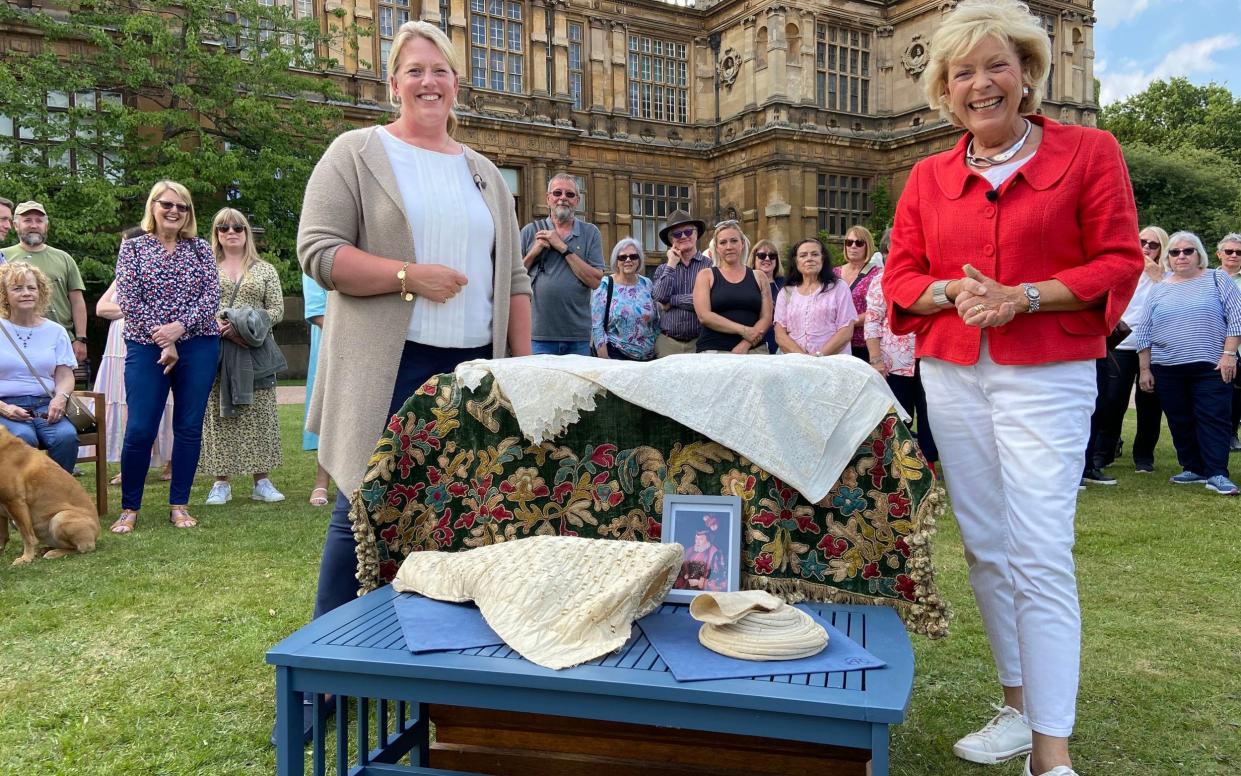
(75, 411)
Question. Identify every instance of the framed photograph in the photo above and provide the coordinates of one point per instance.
(709, 528)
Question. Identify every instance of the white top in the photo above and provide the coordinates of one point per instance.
(1136, 310)
(1001, 172)
(451, 225)
(46, 345)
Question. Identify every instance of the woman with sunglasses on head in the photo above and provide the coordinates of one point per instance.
(732, 301)
(1120, 373)
(858, 273)
(766, 257)
(240, 439)
(814, 311)
(168, 293)
(1187, 352)
(1013, 257)
(624, 317)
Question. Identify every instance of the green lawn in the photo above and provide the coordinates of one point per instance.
(147, 656)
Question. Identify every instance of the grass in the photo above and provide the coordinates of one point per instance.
(146, 657)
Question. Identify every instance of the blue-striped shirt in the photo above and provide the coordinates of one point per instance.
(674, 287)
(1187, 322)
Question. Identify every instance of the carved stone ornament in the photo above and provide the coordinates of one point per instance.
(916, 55)
(885, 31)
(729, 67)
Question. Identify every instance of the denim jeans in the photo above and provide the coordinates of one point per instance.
(60, 439)
(338, 583)
(1198, 405)
(146, 392)
(561, 347)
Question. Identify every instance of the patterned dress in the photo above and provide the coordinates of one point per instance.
(250, 441)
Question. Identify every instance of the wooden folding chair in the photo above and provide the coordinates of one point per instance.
(100, 440)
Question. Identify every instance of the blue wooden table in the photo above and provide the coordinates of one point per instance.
(357, 653)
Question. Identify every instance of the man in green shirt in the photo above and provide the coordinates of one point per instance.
(68, 306)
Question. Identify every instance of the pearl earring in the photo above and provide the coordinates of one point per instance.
(1025, 90)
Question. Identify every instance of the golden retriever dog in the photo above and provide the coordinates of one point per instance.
(45, 503)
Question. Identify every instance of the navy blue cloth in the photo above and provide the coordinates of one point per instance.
(338, 583)
(436, 626)
(60, 439)
(1199, 409)
(146, 393)
(908, 391)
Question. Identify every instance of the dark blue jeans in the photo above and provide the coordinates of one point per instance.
(60, 439)
(1198, 405)
(560, 347)
(146, 392)
(908, 391)
(338, 583)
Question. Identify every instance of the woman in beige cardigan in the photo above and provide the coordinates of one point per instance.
(379, 197)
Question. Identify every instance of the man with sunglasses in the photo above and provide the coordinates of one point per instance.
(564, 256)
(68, 305)
(674, 285)
(1228, 251)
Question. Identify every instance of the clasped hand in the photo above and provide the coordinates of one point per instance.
(435, 282)
(549, 239)
(168, 334)
(982, 302)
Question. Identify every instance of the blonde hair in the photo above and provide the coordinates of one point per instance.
(765, 243)
(233, 217)
(857, 229)
(1008, 21)
(1162, 237)
(16, 269)
(724, 226)
(434, 34)
(189, 228)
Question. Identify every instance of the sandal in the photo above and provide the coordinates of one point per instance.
(125, 523)
(179, 516)
(115, 481)
(318, 501)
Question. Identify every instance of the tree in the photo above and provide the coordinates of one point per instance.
(114, 95)
(1176, 114)
(882, 211)
(1187, 189)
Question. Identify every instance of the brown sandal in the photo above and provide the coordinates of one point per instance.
(125, 523)
(179, 516)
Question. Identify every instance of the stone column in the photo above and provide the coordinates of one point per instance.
(749, 61)
(777, 53)
(537, 61)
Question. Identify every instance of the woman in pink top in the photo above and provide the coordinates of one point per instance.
(814, 311)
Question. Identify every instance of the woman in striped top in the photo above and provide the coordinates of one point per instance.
(1187, 351)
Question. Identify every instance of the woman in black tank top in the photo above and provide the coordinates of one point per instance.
(733, 302)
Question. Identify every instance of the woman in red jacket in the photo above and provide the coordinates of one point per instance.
(1012, 258)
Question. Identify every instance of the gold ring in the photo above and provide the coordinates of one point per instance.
(978, 307)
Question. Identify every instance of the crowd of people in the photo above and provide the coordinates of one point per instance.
(1024, 368)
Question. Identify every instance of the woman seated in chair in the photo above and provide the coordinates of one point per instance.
(36, 358)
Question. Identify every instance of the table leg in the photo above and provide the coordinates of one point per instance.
(420, 754)
(878, 750)
(288, 725)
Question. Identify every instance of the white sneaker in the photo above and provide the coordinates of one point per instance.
(221, 493)
(1059, 770)
(265, 491)
(1006, 736)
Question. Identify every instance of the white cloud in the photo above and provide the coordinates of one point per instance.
(1187, 58)
(1112, 12)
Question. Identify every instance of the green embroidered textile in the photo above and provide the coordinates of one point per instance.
(452, 471)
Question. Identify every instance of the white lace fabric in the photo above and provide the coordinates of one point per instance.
(798, 417)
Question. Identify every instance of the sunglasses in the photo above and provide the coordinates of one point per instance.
(681, 234)
(855, 243)
(628, 257)
(170, 205)
(1174, 252)
(764, 256)
(562, 194)
(1231, 251)
(236, 228)
(1152, 244)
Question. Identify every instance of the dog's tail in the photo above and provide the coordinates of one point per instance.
(74, 529)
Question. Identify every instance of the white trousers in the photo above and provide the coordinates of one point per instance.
(1012, 442)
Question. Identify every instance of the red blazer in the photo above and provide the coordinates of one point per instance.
(1067, 214)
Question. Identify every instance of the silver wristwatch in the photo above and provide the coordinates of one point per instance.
(939, 293)
(1032, 296)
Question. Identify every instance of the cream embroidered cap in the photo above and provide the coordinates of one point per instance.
(755, 625)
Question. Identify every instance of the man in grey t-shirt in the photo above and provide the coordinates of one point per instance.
(564, 256)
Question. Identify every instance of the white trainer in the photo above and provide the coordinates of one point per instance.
(221, 493)
(265, 491)
(1006, 736)
(1059, 770)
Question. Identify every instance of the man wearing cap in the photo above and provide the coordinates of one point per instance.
(68, 306)
(564, 256)
(674, 285)
(6, 220)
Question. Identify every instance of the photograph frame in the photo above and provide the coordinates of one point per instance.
(718, 519)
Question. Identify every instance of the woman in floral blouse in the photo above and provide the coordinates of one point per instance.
(858, 273)
(632, 317)
(892, 355)
(167, 290)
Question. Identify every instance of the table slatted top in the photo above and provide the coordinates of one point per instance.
(365, 636)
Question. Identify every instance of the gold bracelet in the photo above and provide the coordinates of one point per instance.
(406, 295)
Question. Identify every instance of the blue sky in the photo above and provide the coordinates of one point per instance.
(1138, 41)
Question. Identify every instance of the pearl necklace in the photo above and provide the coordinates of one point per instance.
(1000, 158)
